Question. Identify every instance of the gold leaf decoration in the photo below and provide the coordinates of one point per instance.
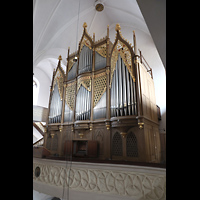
(101, 50)
(70, 95)
(123, 50)
(85, 82)
(99, 86)
(59, 78)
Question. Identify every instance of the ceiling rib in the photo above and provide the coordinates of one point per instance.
(63, 28)
(45, 27)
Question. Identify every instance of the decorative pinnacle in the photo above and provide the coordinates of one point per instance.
(84, 25)
(60, 57)
(117, 28)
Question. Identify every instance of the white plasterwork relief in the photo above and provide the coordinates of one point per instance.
(132, 184)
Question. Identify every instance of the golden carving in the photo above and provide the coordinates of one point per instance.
(85, 82)
(59, 78)
(117, 28)
(101, 50)
(141, 124)
(84, 25)
(108, 126)
(71, 62)
(60, 57)
(123, 50)
(85, 42)
(81, 135)
(99, 86)
(70, 95)
(123, 134)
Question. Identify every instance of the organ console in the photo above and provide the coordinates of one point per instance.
(107, 91)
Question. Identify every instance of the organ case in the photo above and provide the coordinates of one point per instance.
(106, 96)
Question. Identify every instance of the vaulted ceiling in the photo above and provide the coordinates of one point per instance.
(55, 28)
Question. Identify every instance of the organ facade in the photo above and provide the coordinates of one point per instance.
(104, 106)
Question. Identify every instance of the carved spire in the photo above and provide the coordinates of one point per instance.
(60, 57)
(84, 25)
(117, 28)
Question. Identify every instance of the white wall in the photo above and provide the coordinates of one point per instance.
(36, 135)
(44, 90)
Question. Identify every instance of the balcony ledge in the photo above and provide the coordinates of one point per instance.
(99, 180)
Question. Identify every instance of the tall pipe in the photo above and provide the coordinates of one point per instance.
(132, 96)
(114, 93)
(124, 88)
(135, 103)
(128, 91)
(120, 85)
(117, 90)
(112, 98)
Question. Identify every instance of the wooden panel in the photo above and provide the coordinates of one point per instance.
(148, 95)
(68, 147)
(99, 137)
(92, 148)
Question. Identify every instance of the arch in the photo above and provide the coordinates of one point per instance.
(122, 47)
(131, 145)
(117, 145)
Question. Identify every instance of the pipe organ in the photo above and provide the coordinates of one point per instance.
(105, 98)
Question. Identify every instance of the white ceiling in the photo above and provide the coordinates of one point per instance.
(55, 28)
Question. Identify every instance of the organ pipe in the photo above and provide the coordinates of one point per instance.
(55, 106)
(123, 88)
(83, 104)
(117, 92)
(120, 85)
(85, 61)
(122, 91)
(128, 91)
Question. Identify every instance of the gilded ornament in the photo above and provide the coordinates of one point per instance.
(123, 134)
(84, 25)
(85, 41)
(101, 50)
(125, 54)
(60, 57)
(85, 82)
(99, 86)
(59, 79)
(117, 28)
(70, 95)
(141, 124)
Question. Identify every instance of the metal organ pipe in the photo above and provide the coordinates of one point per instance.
(55, 107)
(83, 104)
(132, 99)
(123, 96)
(120, 85)
(124, 88)
(117, 90)
(128, 91)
